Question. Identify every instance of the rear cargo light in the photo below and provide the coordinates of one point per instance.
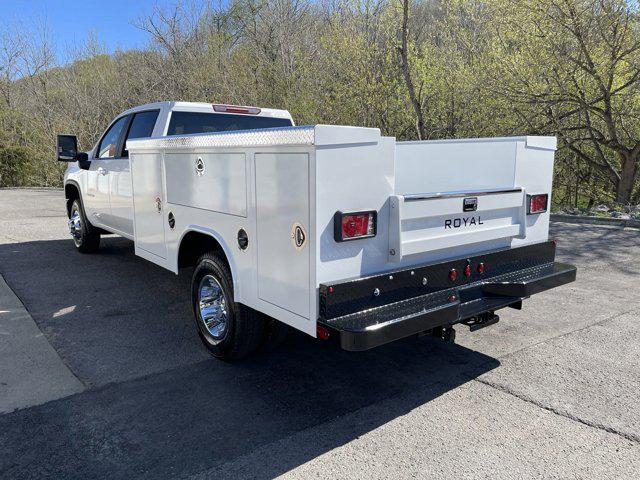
(354, 225)
(236, 109)
(453, 274)
(537, 203)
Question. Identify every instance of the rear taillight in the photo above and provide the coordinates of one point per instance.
(354, 225)
(236, 109)
(322, 332)
(537, 203)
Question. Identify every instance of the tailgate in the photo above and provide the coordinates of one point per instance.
(432, 221)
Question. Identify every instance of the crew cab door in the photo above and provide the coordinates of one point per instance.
(142, 125)
(97, 191)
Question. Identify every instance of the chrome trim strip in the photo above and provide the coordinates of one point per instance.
(459, 194)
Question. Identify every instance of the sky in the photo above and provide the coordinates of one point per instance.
(71, 22)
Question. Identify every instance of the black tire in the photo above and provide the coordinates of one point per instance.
(244, 327)
(87, 239)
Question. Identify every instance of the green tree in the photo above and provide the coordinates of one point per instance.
(14, 167)
(572, 68)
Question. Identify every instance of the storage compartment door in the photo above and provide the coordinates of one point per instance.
(148, 205)
(282, 206)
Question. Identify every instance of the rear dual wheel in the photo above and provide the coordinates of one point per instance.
(229, 330)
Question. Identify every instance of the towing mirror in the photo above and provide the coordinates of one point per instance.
(68, 149)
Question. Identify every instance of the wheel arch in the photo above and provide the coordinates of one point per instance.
(195, 241)
(71, 192)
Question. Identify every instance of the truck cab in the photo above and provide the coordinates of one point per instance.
(102, 180)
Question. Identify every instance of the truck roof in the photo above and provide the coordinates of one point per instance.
(202, 107)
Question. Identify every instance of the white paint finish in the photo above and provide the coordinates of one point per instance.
(549, 142)
(543, 143)
(332, 135)
(220, 188)
(421, 242)
(223, 228)
(148, 193)
(282, 199)
(418, 226)
(352, 178)
(120, 196)
(108, 195)
(534, 171)
(453, 206)
(423, 167)
(96, 194)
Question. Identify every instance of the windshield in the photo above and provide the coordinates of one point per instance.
(197, 122)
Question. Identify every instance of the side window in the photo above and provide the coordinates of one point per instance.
(141, 126)
(109, 143)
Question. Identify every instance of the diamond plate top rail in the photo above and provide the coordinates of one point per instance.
(302, 135)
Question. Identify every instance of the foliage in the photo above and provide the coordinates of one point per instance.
(14, 167)
(413, 68)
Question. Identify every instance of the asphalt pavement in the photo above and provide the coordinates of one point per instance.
(102, 376)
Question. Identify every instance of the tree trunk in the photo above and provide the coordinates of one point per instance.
(628, 172)
(406, 72)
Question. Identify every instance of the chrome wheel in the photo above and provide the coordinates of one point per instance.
(212, 307)
(75, 225)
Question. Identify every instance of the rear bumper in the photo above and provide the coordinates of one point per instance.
(405, 304)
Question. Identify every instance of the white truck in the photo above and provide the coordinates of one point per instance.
(336, 231)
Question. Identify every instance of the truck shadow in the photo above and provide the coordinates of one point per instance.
(157, 406)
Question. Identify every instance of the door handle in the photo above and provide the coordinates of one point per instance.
(102, 171)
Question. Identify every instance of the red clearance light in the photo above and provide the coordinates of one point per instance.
(481, 267)
(354, 225)
(537, 203)
(467, 271)
(453, 274)
(236, 109)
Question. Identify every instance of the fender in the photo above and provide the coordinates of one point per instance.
(75, 184)
(225, 248)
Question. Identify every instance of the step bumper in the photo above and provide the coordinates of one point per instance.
(516, 276)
